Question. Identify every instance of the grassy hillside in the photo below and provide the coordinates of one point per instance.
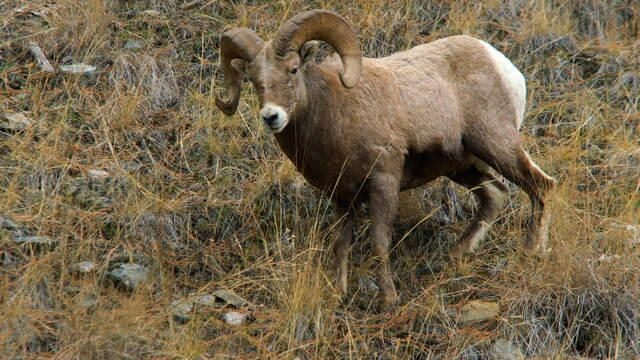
(133, 164)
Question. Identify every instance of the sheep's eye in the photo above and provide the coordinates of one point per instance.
(294, 71)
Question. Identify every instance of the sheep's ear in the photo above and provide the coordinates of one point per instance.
(239, 65)
(309, 51)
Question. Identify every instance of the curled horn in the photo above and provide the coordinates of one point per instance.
(326, 26)
(239, 43)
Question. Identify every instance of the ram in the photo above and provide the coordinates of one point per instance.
(366, 129)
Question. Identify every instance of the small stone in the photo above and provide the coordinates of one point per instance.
(40, 241)
(129, 275)
(79, 68)
(181, 310)
(15, 122)
(87, 301)
(608, 258)
(505, 350)
(98, 174)
(151, 12)
(367, 285)
(207, 300)
(302, 327)
(132, 44)
(630, 79)
(84, 267)
(234, 318)
(7, 223)
(39, 13)
(608, 68)
(479, 310)
(231, 298)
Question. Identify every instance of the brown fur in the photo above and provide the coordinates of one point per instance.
(439, 109)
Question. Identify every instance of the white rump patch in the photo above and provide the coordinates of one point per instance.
(512, 79)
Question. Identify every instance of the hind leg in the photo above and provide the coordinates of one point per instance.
(514, 163)
(491, 194)
(537, 184)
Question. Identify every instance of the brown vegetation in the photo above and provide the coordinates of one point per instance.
(134, 163)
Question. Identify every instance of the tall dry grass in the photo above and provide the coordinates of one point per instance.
(207, 202)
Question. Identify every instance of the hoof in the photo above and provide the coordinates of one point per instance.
(538, 247)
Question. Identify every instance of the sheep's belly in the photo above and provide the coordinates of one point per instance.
(421, 168)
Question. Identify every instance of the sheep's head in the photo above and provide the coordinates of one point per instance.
(278, 68)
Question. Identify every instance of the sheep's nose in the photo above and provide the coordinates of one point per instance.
(270, 118)
(274, 117)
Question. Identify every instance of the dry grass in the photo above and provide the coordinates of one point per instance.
(209, 202)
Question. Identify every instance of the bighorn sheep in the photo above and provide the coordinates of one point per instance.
(366, 129)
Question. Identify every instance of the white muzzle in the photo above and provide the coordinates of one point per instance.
(275, 118)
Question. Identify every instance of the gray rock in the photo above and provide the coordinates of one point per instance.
(132, 44)
(302, 328)
(206, 300)
(79, 68)
(231, 298)
(504, 350)
(478, 310)
(367, 285)
(98, 174)
(15, 122)
(630, 79)
(129, 275)
(151, 13)
(37, 241)
(234, 318)
(84, 267)
(7, 223)
(181, 310)
(608, 68)
(87, 301)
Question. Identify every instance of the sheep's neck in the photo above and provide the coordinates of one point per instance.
(307, 140)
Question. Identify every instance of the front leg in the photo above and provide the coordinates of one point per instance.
(342, 247)
(383, 202)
